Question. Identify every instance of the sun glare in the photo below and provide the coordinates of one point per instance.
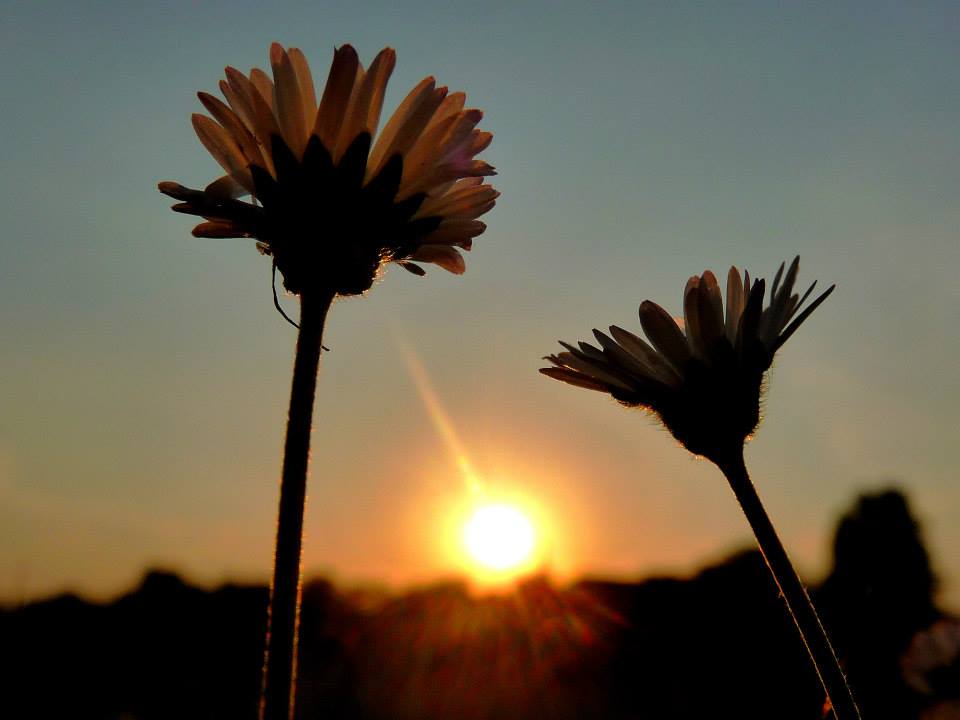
(500, 537)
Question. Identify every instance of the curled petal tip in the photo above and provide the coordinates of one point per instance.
(177, 191)
(198, 119)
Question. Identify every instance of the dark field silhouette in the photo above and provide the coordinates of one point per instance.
(719, 645)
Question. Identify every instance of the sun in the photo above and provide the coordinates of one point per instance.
(500, 538)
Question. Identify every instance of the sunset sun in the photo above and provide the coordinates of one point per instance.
(500, 538)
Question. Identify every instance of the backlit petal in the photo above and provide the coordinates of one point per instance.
(336, 95)
(287, 100)
(664, 334)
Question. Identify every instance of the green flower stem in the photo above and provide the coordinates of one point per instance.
(794, 593)
(280, 661)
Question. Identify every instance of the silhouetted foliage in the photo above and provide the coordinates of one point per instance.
(878, 596)
(165, 650)
(719, 644)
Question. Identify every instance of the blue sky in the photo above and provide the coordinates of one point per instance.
(146, 372)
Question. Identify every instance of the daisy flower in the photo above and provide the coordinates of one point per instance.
(703, 378)
(332, 199)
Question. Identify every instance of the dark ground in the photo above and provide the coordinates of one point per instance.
(718, 645)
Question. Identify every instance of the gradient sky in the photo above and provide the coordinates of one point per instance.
(146, 373)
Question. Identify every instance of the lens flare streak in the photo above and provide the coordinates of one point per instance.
(438, 415)
(499, 537)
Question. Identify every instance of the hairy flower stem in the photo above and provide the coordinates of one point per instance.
(280, 661)
(794, 593)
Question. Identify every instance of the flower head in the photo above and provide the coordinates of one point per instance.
(704, 380)
(331, 203)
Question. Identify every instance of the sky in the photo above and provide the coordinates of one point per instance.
(145, 373)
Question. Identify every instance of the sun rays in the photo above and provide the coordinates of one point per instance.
(495, 534)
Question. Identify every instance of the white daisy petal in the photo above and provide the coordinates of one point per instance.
(452, 104)
(265, 123)
(630, 362)
(415, 110)
(264, 85)
(467, 202)
(305, 80)
(363, 114)
(574, 378)
(225, 187)
(664, 334)
(287, 101)
(456, 232)
(691, 313)
(734, 303)
(224, 149)
(418, 161)
(711, 310)
(235, 126)
(336, 95)
(340, 145)
(591, 369)
(445, 256)
(239, 104)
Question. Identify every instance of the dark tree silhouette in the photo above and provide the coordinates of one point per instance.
(879, 594)
(714, 645)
